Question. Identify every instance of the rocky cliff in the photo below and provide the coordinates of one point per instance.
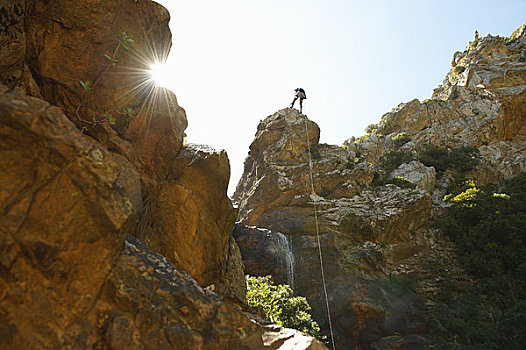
(375, 201)
(102, 206)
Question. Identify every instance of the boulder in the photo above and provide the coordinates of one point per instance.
(63, 221)
(417, 173)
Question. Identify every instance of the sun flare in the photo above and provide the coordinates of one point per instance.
(160, 74)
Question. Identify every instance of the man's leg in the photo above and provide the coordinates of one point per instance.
(301, 105)
(294, 101)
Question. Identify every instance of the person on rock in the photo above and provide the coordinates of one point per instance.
(300, 93)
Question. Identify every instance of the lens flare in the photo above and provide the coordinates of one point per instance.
(160, 74)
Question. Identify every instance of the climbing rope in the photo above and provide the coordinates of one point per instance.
(314, 200)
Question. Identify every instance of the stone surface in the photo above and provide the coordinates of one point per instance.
(63, 43)
(417, 173)
(62, 221)
(70, 277)
(72, 188)
(265, 253)
(188, 216)
(365, 311)
(481, 107)
(14, 71)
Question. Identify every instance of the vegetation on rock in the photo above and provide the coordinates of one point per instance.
(392, 160)
(461, 159)
(487, 228)
(281, 306)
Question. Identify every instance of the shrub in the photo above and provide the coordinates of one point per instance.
(462, 159)
(401, 139)
(281, 306)
(458, 69)
(369, 129)
(401, 182)
(392, 160)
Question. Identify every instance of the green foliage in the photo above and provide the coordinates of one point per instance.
(392, 160)
(128, 110)
(111, 119)
(112, 59)
(86, 86)
(401, 182)
(125, 40)
(369, 129)
(281, 306)
(401, 139)
(458, 70)
(487, 227)
(461, 159)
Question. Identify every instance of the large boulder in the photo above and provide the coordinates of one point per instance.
(64, 215)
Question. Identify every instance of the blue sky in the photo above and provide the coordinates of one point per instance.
(234, 62)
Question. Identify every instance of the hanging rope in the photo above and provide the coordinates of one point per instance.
(314, 200)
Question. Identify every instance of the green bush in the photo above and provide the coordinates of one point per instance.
(458, 69)
(487, 227)
(371, 128)
(401, 182)
(281, 306)
(392, 160)
(462, 159)
(401, 139)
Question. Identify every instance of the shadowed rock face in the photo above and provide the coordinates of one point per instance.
(51, 46)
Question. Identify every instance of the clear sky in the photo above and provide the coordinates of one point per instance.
(234, 62)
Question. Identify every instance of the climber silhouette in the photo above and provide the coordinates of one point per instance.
(300, 93)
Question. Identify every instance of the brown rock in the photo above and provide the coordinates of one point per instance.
(365, 311)
(188, 217)
(265, 253)
(61, 223)
(13, 68)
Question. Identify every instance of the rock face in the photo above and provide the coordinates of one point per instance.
(265, 253)
(372, 234)
(82, 184)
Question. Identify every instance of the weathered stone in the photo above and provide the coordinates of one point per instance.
(417, 173)
(13, 68)
(265, 253)
(188, 217)
(62, 220)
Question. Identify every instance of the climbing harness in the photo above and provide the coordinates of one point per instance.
(314, 198)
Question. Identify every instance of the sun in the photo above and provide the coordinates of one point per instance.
(160, 74)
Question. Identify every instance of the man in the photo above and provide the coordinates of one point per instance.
(300, 93)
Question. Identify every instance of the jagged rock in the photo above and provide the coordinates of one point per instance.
(63, 215)
(364, 231)
(71, 278)
(14, 71)
(277, 173)
(480, 105)
(232, 283)
(265, 253)
(188, 217)
(48, 48)
(417, 173)
(64, 43)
